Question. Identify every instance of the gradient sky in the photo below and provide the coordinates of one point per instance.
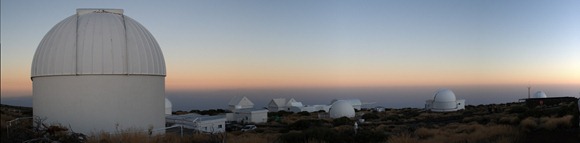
(312, 44)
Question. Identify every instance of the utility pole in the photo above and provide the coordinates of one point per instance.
(529, 90)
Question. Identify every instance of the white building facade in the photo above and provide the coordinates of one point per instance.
(240, 102)
(248, 116)
(202, 123)
(278, 104)
(281, 104)
(243, 111)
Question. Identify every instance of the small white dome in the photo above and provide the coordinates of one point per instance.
(341, 108)
(96, 42)
(540, 94)
(444, 95)
(168, 107)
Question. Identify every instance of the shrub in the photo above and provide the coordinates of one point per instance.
(279, 114)
(311, 135)
(369, 136)
(292, 137)
(426, 133)
(403, 138)
(304, 113)
(528, 124)
(342, 121)
(508, 120)
(308, 123)
(553, 123)
(370, 116)
(518, 109)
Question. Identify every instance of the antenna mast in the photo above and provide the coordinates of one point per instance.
(529, 90)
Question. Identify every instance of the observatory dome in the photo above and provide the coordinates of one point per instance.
(540, 94)
(98, 42)
(341, 108)
(444, 95)
(99, 70)
(444, 101)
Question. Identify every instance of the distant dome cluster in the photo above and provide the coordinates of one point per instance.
(444, 100)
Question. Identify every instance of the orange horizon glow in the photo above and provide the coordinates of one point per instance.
(19, 80)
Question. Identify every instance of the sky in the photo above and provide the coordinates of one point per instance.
(260, 44)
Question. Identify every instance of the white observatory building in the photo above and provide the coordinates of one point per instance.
(444, 101)
(99, 70)
(540, 94)
(341, 108)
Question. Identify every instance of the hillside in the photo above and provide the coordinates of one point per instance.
(510, 122)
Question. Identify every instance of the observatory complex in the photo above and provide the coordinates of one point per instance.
(99, 70)
(444, 101)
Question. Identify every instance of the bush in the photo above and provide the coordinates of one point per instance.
(392, 118)
(293, 137)
(305, 124)
(342, 121)
(279, 114)
(518, 109)
(369, 136)
(370, 116)
(312, 135)
(553, 123)
(528, 124)
(304, 113)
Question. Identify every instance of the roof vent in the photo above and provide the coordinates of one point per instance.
(82, 11)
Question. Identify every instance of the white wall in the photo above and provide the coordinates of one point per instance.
(260, 116)
(273, 107)
(256, 116)
(212, 126)
(93, 103)
(444, 106)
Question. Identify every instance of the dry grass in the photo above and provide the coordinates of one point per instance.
(290, 119)
(4, 120)
(548, 123)
(403, 138)
(509, 120)
(424, 133)
(553, 123)
(528, 124)
(252, 138)
(458, 133)
(141, 137)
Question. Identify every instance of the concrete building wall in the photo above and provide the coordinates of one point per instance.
(93, 103)
(212, 126)
(260, 116)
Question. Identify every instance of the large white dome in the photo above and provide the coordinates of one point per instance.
(540, 94)
(341, 108)
(99, 70)
(444, 95)
(97, 41)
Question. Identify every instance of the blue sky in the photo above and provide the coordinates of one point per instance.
(264, 44)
